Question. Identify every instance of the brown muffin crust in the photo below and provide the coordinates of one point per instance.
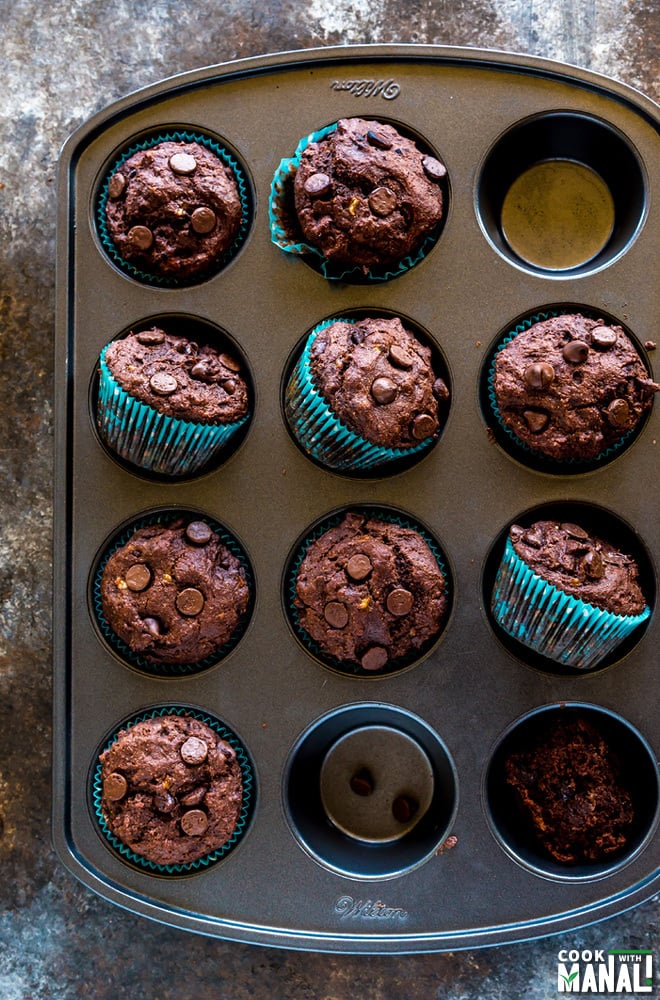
(179, 377)
(365, 195)
(581, 564)
(173, 209)
(175, 594)
(571, 387)
(172, 790)
(379, 381)
(568, 784)
(369, 591)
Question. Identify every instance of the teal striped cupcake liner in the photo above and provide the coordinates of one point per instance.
(555, 624)
(349, 666)
(321, 433)
(117, 644)
(245, 815)
(157, 279)
(523, 450)
(284, 227)
(154, 441)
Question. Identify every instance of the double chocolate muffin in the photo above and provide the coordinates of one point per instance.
(173, 209)
(172, 789)
(570, 387)
(366, 196)
(370, 593)
(568, 786)
(174, 594)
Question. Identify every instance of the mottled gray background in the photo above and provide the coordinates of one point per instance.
(60, 62)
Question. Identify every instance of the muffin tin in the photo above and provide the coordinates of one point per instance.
(306, 872)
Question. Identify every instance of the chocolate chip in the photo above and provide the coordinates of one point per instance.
(164, 802)
(404, 808)
(335, 614)
(163, 383)
(152, 626)
(205, 370)
(190, 602)
(140, 237)
(618, 413)
(400, 357)
(575, 352)
(516, 531)
(203, 220)
(115, 786)
(194, 798)
(183, 163)
(359, 567)
(539, 375)
(382, 201)
(440, 390)
(423, 426)
(533, 537)
(317, 185)
(194, 750)
(362, 783)
(117, 186)
(399, 602)
(229, 386)
(536, 420)
(138, 577)
(378, 140)
(434, 169)
(603, 337)
(198, 532)
(231, 363)
(357, 335)
(384, 390)
(593, 565)
(194, 822)
(575, 531)
(150, 338)
(375, 658)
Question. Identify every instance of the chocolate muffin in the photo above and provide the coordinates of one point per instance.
(174, 593)
(366, 196)
(568, 784)
(369, 593)
(172, 789)
(173, 209)
(570, 387)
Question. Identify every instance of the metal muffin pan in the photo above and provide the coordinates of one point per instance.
(462, 876)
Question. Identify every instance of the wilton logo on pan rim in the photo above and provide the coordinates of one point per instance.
(367, 909)
(388, 89)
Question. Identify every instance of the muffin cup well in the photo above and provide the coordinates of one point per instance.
(285, 231)
(321, 433)
(291, 573)
(247, 807)
(243, 191)
(553, 623)
(152, 440)
(137, 660)
(508, 438)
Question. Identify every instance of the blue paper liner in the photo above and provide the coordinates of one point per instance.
(349, 666)
(282, 226)
(321, 433)
(162, 281)
(524, 450)
(247, 806)
(138, 660)
(154, 441)
(555, 624)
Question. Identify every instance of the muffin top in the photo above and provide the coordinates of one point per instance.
(172, 790)
(369, 591)
(379, 381)
(571, 387)
(179, 377)
(173, 209)
(365, 195)
(568, 783)
(175, 594)
(578, 563)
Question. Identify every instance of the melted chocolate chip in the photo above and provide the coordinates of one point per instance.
(152, 626)
(163, 384)
(138, 577)
(603, 337)
(336, 614)
(575, 531)
(399, 602)
(317, 185)
(536, 420)
(593, 564)
(116, 186)
(434, 169)
(190, 602)
(140, 237)
(575, 352)
(183, 164)
(164, 802)
(195, 797)
(378, 140)
(150, 338)
(618, 413)
(203, 220)
(382, 201)
(194, 750)
(198, 532)
(384, 390)
(400, 357)
(115, 786)
(539, 375)
(359, 567)
(375, 658)
(231, 363)
(423, 426)
(440, 390)
(194, 822)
